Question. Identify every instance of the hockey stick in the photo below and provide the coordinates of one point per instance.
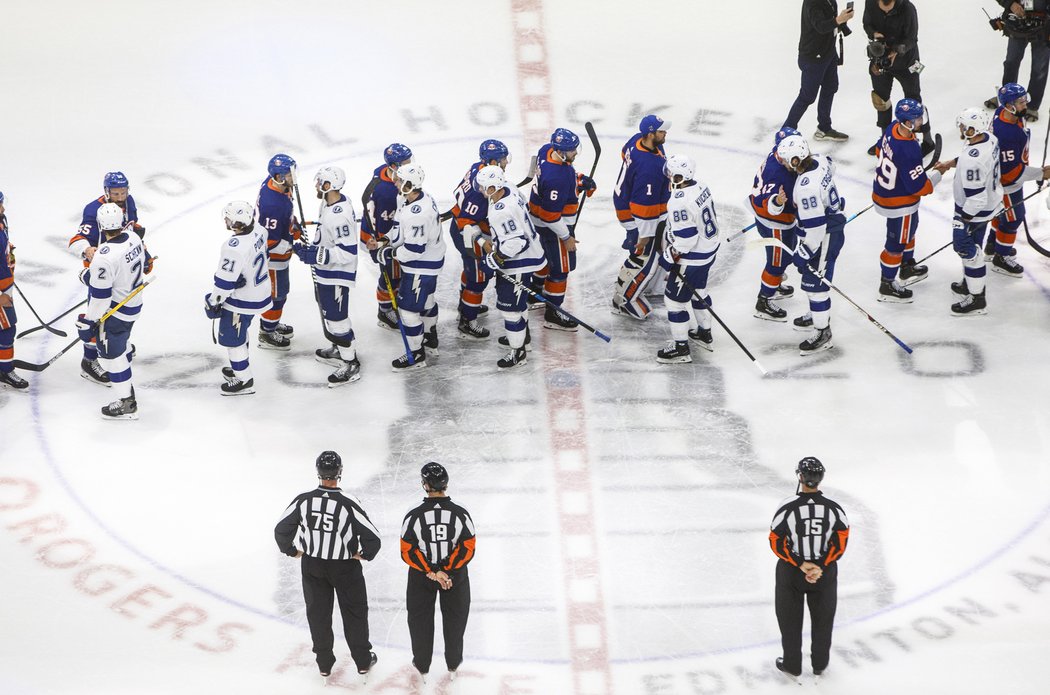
(902, 344)
(447, 214)
(739, 233)
(64, 313)
(676, 272)
(19, 364)
(532, 293)
(589, 127)
(1046, 140)
(1032, 242)
(298, 200)
(365, 199)
(60, 334)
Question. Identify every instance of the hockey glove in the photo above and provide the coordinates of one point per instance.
(86, 328)
(312, 254)
(494, 261)
(85, 276)
(384, 255)
(241, 282)
(147, 268)
(212, 311)
(670, 254)
(140, 230)
(631, 239)
(585, 184)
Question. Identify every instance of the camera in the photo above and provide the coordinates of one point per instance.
(880, 62)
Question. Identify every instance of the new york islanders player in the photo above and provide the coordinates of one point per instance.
(86, 242)
(899, 183)
(1008, 127)
(376, 220)
(516, 253)
(8, 319)
(282, 230)
(978, 195)
(416, 243)
(690, 245)
(468, 229)
(332, 256)
(241, 290)
(820, 235)
(775, 218)
(553, 203)
(640, 198)
(115, 272)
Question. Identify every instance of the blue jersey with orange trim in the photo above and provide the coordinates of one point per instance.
(381, 207)
(87, 234)
(472, 207)
(642, 191)
(552, 201)
(1013, 151)
(771, 177)
(899, 177)
(7, 257)
(275, 216)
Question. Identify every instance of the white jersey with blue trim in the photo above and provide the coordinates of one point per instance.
(416, 234)
(337, 232)
(815, 197)
(116, 270)
(244, 256)
(977, 188)
(692, 227)
(513, 235)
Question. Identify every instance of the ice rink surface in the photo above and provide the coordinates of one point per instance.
(622, 506)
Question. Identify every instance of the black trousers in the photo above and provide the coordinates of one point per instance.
(322, 581)
(455, 607)
(792, 590)
(883, 85)
(1015, 50)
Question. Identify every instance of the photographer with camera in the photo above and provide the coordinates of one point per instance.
(1025, 22)
(819, 62)
(892, 27)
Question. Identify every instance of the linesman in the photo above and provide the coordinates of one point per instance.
(808, 535)
(437, 542)
(332, 534)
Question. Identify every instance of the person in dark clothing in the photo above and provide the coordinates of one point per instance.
(1029, 26)
(819, 63)
(892, 27)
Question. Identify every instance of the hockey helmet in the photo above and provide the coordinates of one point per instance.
(783, 133)
(792, 147)
(810, 471)
(238, 214)
(412, 175)
(493, 151)
(564, 140)
(110, 217)
(329, 466)
(1010, 92)
(396, 154)
(334, 176)
(679, 165)
(114, 179)
(974, 117)
(434, 476)
(653, 123)
(490, 176)
(908, 110)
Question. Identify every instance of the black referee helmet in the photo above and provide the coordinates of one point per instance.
(810, 471)
(435, 476)
(329, 466)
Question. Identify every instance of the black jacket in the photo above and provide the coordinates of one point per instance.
(1038, 5)
(899, 26)
(817, 39)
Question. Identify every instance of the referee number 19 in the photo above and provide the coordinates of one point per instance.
(439, 532)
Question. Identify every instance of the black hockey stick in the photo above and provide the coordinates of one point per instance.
(60, 334)
(589, 127)
(536, 295)
(676, 273)
(447, 215)
(1046, 140)
(366, 198)
(64, 313)
(1032, 242)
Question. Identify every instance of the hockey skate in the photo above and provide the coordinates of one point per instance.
(285, 330)
(891, 291)
(483, 309)
(348, 373)
(419, 360)
(93, 371)
(515, 358)
(329, 356)
(430, 341)
(989, 248)
(767, 310)
(122, 409)
(387, 319)
(703, 338)
(1006, 265)
(628, 311)
(971, 305)
(471, 329)
(236, 387)
(803, 323)
(228, 374)
(911, 273)
(960, 288)
(818, 343)
(505, 342)
(10, 380)
(675, 352)
(784, 291)
(554, 319)
(272, 340)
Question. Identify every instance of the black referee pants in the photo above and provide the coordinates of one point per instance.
(792, 590)
(455, 607)
(322, 581)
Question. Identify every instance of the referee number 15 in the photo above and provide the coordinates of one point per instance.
(324, 522)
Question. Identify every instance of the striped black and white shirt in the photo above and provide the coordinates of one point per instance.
(329, 524)
(437, 535)
(809, 528)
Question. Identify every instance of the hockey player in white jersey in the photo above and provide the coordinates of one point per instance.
(332, 257)
(241, 291)
(416, 243)
(820, 234)
(978, 195)
(115, 272)
(690, 245)
(516, 253)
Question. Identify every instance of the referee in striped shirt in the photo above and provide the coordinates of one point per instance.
(330, 531)
(437, 542)
(808, 535)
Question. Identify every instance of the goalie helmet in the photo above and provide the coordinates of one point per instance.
(975, 118)
(110, 217)
(783, 133)
(329, 466)
(114, 179)
(396, 154)
(334, 176)
(792, 147)
(564, 140)
(434, 476)
(810, 471)
(412, 175)
(679, 165)
(490, 176)
(493, 151)
(238, 215)
(280, 164)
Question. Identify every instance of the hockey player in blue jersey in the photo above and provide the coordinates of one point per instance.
(775, 218)
(376, 220)
(282, 230)
(8, 319)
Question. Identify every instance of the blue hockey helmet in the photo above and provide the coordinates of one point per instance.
(653, 123)
(280, 164)
(909, 110)
(783, 133)
(396, 154)
(810, 471)
(1010, 92)
(115, 179)
(564, 140)
(492, 150)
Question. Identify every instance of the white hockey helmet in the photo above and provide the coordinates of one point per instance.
(792, 147)
(679, 165)
(973, 117)
(110, 217)
(412, 175)
(490, 176)
(238, 214)
(334, 176)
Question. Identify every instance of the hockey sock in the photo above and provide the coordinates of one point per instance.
(514, 322)
(678, 317)
(119, 370)
(413, 324)
(239, 361)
